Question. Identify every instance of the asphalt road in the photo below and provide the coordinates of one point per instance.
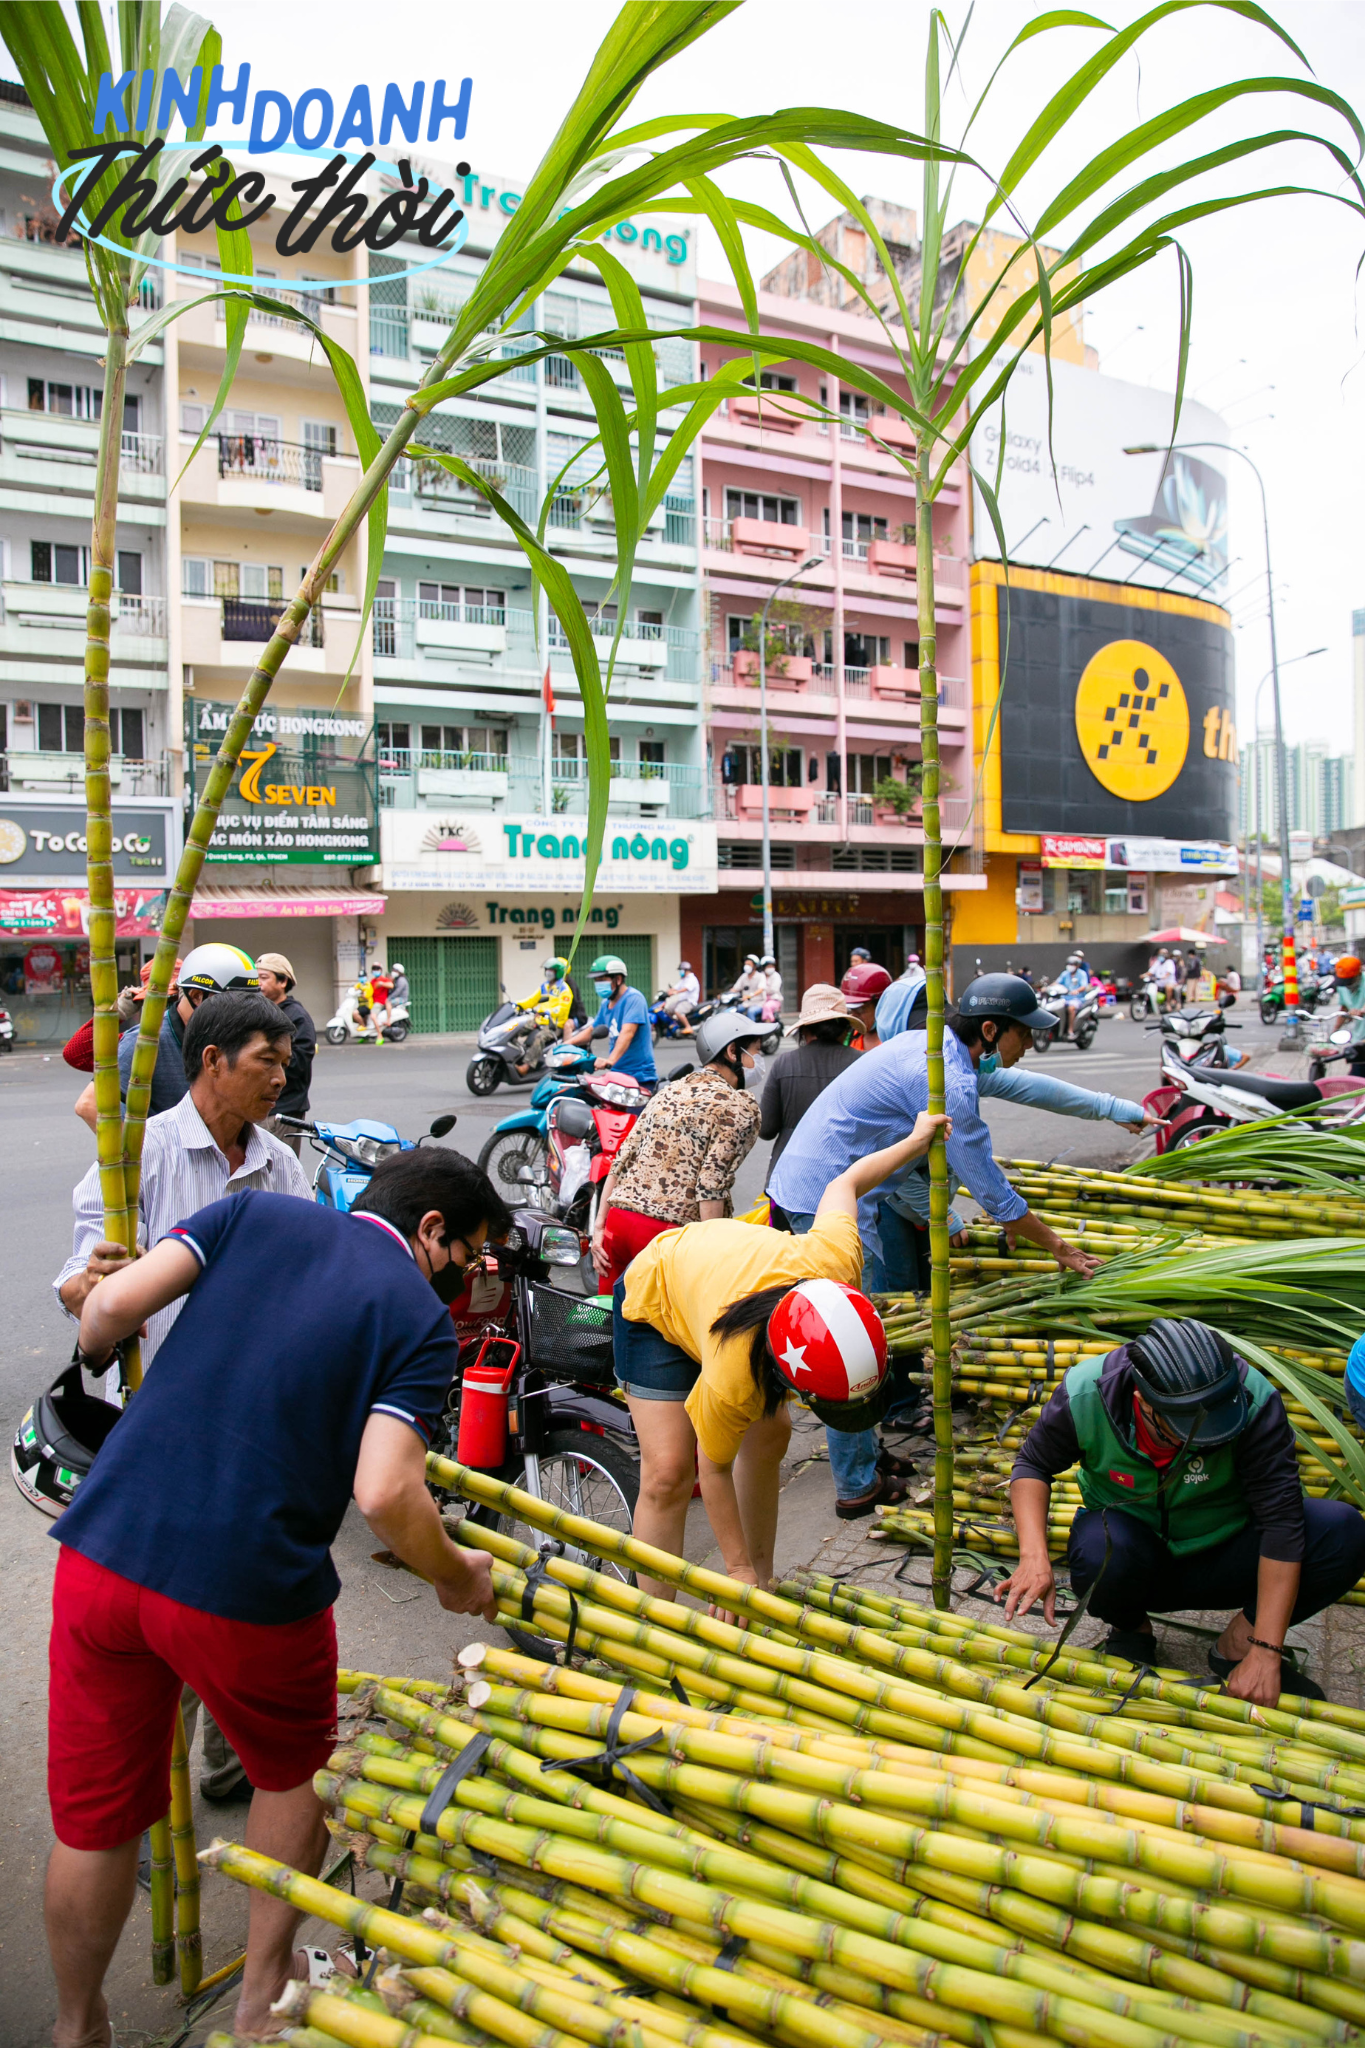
(385, 1623)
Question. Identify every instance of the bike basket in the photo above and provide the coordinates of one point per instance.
(570, 1335)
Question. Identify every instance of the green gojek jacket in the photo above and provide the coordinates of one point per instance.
(1199, 1499)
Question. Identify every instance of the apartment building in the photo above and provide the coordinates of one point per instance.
(826, 485)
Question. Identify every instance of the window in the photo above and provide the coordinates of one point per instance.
(320, 435)
(256, 580)
(132, 415)
(1082, 890)
(772, 380)
(758, 505)
(866, 650)
(1116, 901)
(861, 526)
(196, 577)
(865, 771)
(649, 625)
(129, 573)
(61, 729)
(482, 605)
(192, 418)
(745, 764)
(71, 401)
(438, 600)
(53, 562)
(393, 738)
(652, 760)
(126, 734)
(911, 653)
(490, 741)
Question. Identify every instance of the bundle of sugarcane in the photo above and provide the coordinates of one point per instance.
(1283, 1150)
(873, 1840)
(1229, 1212)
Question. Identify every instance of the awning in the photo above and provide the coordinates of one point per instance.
(279, 900)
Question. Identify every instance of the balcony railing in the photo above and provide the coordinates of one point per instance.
(644, 785)
(255, 619)
(716, 533)
(144, 616)
(142, 453)
(396, 637)
(64, 774)
(310, 303)
(261, 459)
(430, 483)
(680, 522)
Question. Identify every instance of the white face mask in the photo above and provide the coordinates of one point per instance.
(754, 1076)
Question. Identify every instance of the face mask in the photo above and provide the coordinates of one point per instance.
(602, 988)
(988, 1063)
(450, 1283)
(754, 1076)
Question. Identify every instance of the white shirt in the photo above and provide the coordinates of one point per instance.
(182, 1172)
(772, 982)
(688, 985)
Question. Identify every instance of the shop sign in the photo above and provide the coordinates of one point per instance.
(43, 971)
(43, 838)
(467, 917)
(426, 850)
(1168, 856)
(65, 913)
(1072, 850)
(303, 792)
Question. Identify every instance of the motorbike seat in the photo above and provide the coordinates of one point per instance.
(1279, 1094)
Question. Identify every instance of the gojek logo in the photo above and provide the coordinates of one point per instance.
(331, 199)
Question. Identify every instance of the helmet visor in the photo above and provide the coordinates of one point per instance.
(1202, 1420)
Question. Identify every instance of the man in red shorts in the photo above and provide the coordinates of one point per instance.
(312, 1356)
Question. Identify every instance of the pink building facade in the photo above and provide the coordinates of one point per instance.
(843, 688)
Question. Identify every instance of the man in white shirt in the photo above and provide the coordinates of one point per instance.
(235, 1049)
(684, 996)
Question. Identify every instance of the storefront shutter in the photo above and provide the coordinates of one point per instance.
(638, 954)
(454, 981)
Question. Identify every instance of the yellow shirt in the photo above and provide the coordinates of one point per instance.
(684, 1279)
(555, 1004)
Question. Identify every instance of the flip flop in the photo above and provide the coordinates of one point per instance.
(888, 1493)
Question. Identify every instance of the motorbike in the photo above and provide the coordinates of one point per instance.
(522, 1138)
(495, 1063)
(1197, 1101)
(665, 1025)
(6, 1031)
(1312, 991)
(1086, 1002)
(1197, 1036)
(1147, 1000)
(351, 1152)
(730, 1001)
(347, 1025)
(535, 1400)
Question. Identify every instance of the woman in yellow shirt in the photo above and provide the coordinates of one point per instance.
(693, 1317)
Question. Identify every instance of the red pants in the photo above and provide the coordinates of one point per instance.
(625, 1233)
(118, 1658)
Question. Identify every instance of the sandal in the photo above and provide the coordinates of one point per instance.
(889, 1466)
(887, 1493)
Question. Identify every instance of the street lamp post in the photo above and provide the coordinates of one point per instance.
(810, 563)
(1290, 1041)
(1256, 742)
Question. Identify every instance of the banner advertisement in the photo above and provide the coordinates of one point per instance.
(639, 856)
(45, 839)
(1166, 856)
(1070, 498)
(304, 792)
(1070, 850)
(65, 913)
(1029, 894)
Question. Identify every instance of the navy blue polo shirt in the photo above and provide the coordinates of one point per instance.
(225, 1481)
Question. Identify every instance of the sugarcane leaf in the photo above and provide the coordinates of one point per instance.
(1294, 1379)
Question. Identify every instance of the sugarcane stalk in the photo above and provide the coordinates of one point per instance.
(162, 1901)
(188, 1941)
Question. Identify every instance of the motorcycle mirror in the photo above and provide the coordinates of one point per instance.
(441, 1125)
(531, 1176)
(1226, 1000)
(1342, 1037)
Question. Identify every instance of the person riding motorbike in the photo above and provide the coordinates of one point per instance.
(546, 1013)
(1074, 981)
(862, 989)
(1351, 1006)
(749, 983)
(1190, 1498)
(400, 993)
(768, 1004)
(624, 1016)
(683, 997)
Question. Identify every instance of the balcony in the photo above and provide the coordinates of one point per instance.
(430, 487)
(415, 780)
(482, 636)
(228, 632)
(57, 454)
(256, 472)
(260, 459)
(64, 774)
(47, 621)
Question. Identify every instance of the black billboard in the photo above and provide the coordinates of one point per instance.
(1115, 718)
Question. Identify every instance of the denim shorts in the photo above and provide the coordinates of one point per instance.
(647, 1366)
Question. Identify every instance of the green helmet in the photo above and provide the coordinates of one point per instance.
(608, 963)
(555, 969)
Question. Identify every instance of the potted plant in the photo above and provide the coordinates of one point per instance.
(897, 802)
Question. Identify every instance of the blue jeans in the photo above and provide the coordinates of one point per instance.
(852, 1456)
(1142, 1573)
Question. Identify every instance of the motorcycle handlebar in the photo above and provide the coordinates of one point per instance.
(298, 1123)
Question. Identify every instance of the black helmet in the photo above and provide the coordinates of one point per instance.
(55, 1444)
(1190, 1376)
(1007, 997)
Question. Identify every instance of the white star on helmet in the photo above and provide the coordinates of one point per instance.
(795, 1357)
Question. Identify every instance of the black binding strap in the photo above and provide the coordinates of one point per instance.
(675, 1687)
(1081, 1607)
(468, 1761)
(731, 1949)
(1143, 1671)
(539, 1572)
(1308, 1807)
(602, 1767)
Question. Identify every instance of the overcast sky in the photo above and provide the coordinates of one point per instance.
(1276, 348)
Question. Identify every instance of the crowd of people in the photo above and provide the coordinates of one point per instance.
(210, 1587)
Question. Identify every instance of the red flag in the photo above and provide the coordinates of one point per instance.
(548, 692)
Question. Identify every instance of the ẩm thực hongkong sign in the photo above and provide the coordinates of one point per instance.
(303, 792)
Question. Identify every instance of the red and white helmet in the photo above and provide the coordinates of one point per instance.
(828, 1344)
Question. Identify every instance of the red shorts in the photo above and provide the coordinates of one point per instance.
(625, 1233)
(118, 1658)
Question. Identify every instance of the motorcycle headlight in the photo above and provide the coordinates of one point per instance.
(560, 1247)
(623, 1098)
(369, 1151)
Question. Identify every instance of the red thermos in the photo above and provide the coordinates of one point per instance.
(484, 1390)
